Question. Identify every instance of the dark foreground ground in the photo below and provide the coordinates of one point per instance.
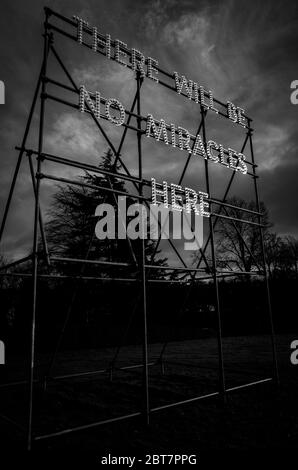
(261, 417)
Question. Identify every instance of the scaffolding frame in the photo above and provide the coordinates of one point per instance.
(188, 274)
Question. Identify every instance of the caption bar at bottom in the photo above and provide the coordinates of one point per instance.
(150, 459)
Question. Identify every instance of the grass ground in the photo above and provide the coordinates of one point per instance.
(261, 417)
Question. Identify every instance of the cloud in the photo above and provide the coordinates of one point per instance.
(155, 17)
(75, 136)
(243, 52)
(272, 147)
(189, 31)
(108, 77)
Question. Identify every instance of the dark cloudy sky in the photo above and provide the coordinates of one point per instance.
(244, 51)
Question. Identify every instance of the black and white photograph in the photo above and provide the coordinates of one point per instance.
(148, 232)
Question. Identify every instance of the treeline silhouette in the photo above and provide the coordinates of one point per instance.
(94, 312)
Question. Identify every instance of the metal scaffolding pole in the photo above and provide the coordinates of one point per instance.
(47, 39)
(142, 265)
(222, 387)
(271, 323)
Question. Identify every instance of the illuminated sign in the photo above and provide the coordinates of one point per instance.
(148, 67)
(161, 131)
(168, 133)
(194, 201)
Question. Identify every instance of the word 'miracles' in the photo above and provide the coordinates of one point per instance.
(167, 133)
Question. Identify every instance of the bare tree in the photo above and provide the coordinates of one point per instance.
(238, 244)
(288, 256)
(273, 247)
